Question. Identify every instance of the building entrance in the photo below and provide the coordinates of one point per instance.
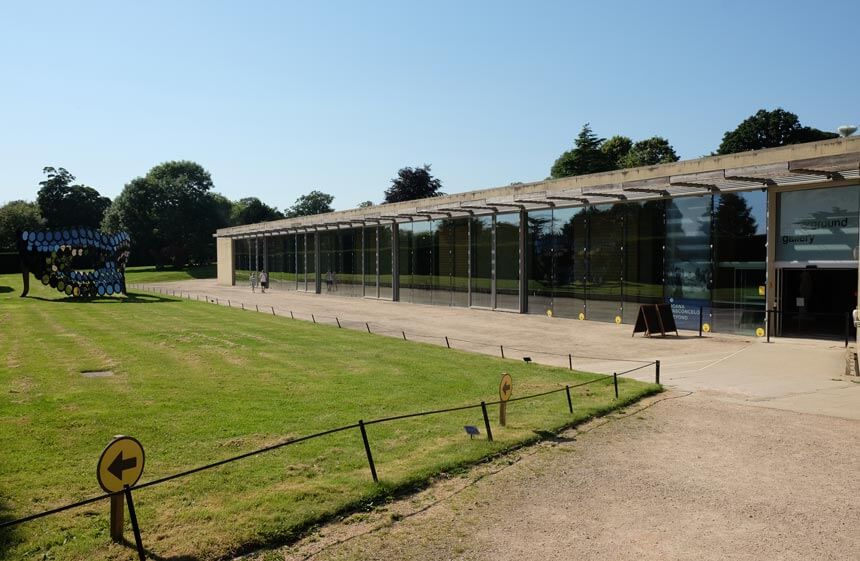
(816, 302)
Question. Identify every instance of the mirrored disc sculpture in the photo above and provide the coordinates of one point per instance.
(78, 262)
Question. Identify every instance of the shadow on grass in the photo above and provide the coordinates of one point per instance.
(8, 536)
(6, 289)
(151, 555)
(130, 298)
(548, 436)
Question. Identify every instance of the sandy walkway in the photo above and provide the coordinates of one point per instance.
(688, 478)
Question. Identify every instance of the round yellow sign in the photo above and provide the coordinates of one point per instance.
(506, 387)
(581, 315)
(706, 327)
(120, 464)
(759, 332)
(618, 320)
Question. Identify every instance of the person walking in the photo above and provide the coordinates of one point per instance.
(253, 281)
(264, 281)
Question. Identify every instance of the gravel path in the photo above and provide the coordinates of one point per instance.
(678, 476)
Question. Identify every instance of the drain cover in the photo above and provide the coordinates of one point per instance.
(97, 373)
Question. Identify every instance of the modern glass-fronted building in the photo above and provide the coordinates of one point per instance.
(722, 239)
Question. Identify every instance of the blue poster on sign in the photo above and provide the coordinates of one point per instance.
(686, 311)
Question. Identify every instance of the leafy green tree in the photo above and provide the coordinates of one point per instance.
(586, 157)
(64, 204)
(769, 129)
(649, 152)
(413, 183)
(170, 214)
(365, 204)
(616, 148)
(15, 216)
(252, 210)
(315, 202)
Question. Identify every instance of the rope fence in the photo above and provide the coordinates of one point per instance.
(360, 425)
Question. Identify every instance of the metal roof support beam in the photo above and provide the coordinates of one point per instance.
(832, 175)
(458, 209)
(619, 196)
(567, 198)
(661, 192)
(535, 202)
(430, 213)
(762, 174)
(706, 186)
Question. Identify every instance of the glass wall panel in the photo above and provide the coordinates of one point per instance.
(688, 258)
(605, 262)
(569, 271)
(482, 261)
(460, 262)
(282, 274)
(406, 260)
(385, 248)
(276, 261)
(508, 261)
(443, 262)
(301, 263)
(311, 261)
(818, 225)
(423, 263)
(539, 247)
(328, 261)
(645, 225)
(340, 262)
(242, 255)
(740, 250)
(349, 268)
(371, 286)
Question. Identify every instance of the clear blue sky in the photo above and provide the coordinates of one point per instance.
(278, 98)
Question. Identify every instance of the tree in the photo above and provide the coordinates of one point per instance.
(315, 202)
(649, 152)
(251, 210)
(616, 148)
(413, 183)
(585, 158)
(733, 217)
(170, 214)
(365, 204)
(769, 129)
(15, 216)
(63, 204)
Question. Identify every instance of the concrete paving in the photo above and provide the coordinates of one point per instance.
(790, 374)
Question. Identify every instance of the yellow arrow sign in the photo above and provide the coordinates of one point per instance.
(506, 387)
(120, 464)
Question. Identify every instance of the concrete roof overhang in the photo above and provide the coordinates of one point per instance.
(813, 163)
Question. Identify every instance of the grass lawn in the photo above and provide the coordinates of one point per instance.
(150, 274)
(196, 383)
